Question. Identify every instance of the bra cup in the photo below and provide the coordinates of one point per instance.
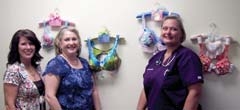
(223, 66)
(150, 42)
(147, 38)
(47, 41)
(117, 62)
(93, 66)
(206, 61)
(113, 63)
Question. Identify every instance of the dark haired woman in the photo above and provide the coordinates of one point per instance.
(22, 82)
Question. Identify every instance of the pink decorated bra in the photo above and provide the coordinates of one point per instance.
(214, 54)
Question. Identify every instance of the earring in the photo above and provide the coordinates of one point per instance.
(60, 50)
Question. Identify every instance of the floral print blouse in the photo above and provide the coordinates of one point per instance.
(28, 97)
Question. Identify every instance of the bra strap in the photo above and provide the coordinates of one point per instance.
(47, 36)
(90, 51)
(112, 51)
(143, 21)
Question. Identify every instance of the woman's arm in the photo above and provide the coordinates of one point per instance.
(142, 101)
(193, 97)
(51, 86)
(10, 94)
(96, 98)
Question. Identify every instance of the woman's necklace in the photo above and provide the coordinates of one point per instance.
(168, 62)
(74, 62)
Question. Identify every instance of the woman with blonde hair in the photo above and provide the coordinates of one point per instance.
(69, 82)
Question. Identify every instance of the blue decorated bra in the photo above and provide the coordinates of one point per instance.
(149, 41)
(110, 62)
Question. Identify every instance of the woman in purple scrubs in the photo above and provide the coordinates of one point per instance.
(173, 77)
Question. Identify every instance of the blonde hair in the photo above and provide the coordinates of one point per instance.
(59, 38)
(180, 24)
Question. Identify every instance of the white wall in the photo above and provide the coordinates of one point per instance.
(121, 92)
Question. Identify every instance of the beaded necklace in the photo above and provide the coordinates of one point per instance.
(169, 61)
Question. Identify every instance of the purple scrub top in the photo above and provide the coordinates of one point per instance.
(165, 84)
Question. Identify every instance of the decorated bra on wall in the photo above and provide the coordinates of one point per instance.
(53, 23)
(149, 41)
(214, 53)
(104, 59)
(110, 62)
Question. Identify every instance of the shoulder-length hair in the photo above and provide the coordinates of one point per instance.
(13, 55)
(59, 38)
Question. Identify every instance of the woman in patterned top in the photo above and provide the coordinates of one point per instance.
(23, 85)
(69, 81)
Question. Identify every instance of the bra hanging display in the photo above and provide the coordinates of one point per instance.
(105, 59)
(53, 23)
(214, 52)
(110, 62)
(149, 41)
